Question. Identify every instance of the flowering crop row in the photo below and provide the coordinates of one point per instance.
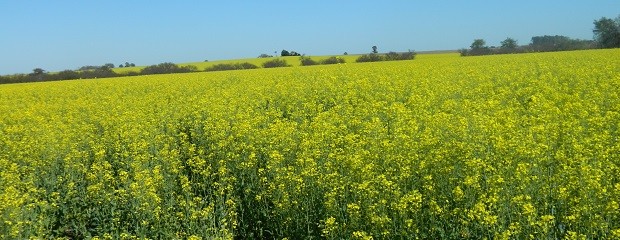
(503, 147)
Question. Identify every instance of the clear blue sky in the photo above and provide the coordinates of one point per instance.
(58, 35)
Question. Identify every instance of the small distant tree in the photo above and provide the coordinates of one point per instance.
(108, 65)
(285, 53)
(374, 50)
(127, 64)
(264, 56)
(38, 71)
(345, 53)
(509, 45)
(120, 65)
(132, 65)
(478, 44)
(478, 47)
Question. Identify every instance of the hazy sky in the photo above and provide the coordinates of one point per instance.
(58, 35)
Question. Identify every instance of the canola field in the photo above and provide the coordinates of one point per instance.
(520, 146)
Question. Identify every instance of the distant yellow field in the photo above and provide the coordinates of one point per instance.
(294, 61)
(522, 146)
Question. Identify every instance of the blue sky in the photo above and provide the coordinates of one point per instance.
(58, 35)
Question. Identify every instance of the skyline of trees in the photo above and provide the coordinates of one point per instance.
(606, 34)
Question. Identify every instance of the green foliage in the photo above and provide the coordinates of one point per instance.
(286, 53)
(307, 61)
(231, 66)
(607, 32)
(509, 45)
(167, 67)
(333, 60)
(373, 57)
(548, 43)
(394, 56)
(275, 63)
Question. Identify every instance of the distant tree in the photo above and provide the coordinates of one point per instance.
(167, 67)
(478, 47)
(231, 66)
(108, 65)
(285, 53)
(478, 44)
(394, 56)
(88, 67)
(607, 32)
(38, 74)
(127, 64)
(374, 50)
(132, 65)
(293, 53)
(345, 53)
(264, 56)
(373, 57)
(120, 65)
(509, 44)
(67, 75)
(38, 71)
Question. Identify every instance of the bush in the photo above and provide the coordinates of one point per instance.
(307, 61)
(373, 57)
(167, 67)
(275, 63)
(231, 66)
(394, 56)
(333, 60)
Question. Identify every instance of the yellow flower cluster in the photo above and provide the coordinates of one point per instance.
(498, 147)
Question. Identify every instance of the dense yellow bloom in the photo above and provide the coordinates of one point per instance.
(520, 146)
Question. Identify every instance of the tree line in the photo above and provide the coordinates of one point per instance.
(606, 35)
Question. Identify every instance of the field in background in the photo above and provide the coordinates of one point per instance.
(498, 147)
(294, 61)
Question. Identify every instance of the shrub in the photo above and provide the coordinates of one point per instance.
(307, 61)
(275, 63)
(373, 57)
(333, 60)
(167, 67)
(394, 56)
(231, 66)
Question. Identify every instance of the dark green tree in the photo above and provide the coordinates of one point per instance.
(374, 50)
(478, 44)
(285, 53)
(509, 44)
(38, 71)
(607, 32)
